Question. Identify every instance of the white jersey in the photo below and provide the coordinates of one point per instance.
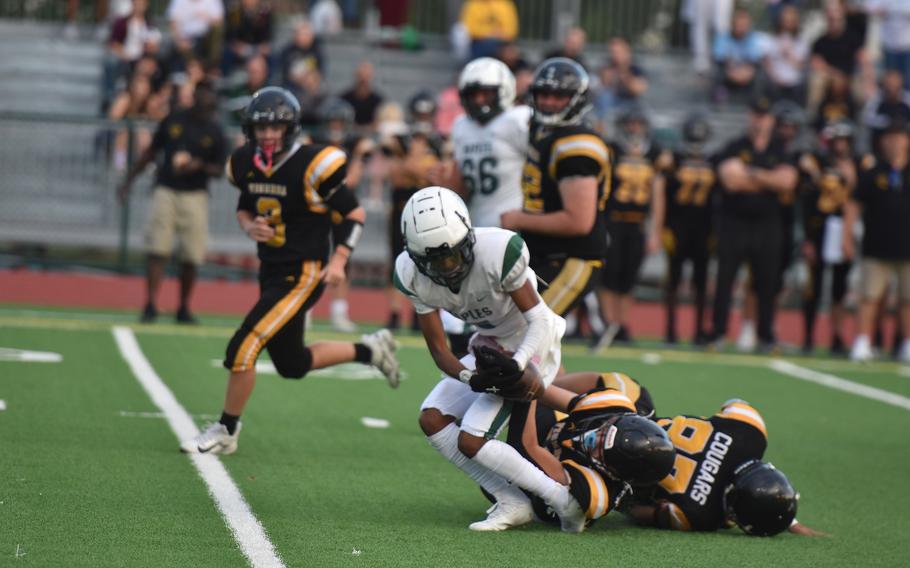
(484, 301)
(491, 157)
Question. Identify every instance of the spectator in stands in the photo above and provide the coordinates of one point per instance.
(895, 34)
(197, 28)
(838, 50)
(126, 44)
(786, 58)
(311, 94)
(837, 102)
(510, 54)
(302, 54)
(185, 84)
(363, 97)
(248, 33)
(71, 31)
(882, 199)
(573, 47)
(489, 23)
(753, 174)
(327, 17)
(705, 16)
(737, 56)
(621, 81)
(892, 101)
(135, 103)
(237, 97)
(193, 151)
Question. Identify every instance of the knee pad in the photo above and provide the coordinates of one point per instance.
(297, 368)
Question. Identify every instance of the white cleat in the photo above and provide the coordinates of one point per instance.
(213, 440)
(862, 349)
(383, 347)
(506, 514)
(747, 340)
(606, 339)
(571, 518)
(904, 356)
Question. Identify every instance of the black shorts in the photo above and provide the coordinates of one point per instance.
(276, 322)
(687, 242)
(568, 280)
(625, 253)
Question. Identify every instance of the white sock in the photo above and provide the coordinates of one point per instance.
(861, 342)
(505, 460)
(339, 309)
(446, 443)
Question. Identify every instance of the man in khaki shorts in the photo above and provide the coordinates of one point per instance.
(882, 197)
(192, 150)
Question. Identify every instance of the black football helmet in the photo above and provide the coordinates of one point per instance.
(788, 113)
(422, 104)
(842, 128)
(632, 138)
(273, 105)
(336, 109)
(696, 131)
(563, 76)
(628, 447)
(760, 500)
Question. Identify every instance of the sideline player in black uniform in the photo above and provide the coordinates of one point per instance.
(637, 192)
(336, 117)
(690, 193)
(752, 172)
(833, 175)
(287, 190)
(565, 184)
(718, 478)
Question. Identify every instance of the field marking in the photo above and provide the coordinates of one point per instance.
(340, 372)
(838, 383)
(247, 531)
(25, 356)
(2, 404)
(132, 414)
(371, 422)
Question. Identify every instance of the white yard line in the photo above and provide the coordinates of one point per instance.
(838, 383)
(247, 531)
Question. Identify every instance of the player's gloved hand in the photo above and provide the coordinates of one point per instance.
(499, 374)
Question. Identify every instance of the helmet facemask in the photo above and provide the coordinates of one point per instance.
(482, 113)
(445, 265)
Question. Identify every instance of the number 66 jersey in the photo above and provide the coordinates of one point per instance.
(708, 451)
(490, 158)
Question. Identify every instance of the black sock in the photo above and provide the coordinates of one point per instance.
(230, 422)
(362, 353)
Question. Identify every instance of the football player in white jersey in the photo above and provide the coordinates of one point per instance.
(482, 276)
(489, 144)
(490, 141)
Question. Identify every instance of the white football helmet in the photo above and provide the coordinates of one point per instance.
(438, 235)
(486, 73)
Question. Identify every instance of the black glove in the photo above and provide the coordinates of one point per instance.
(498, 374)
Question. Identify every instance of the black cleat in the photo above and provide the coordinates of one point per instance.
(149, 314)
(184, 316)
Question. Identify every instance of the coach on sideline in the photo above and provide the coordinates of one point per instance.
(753, 172)
(882, 197)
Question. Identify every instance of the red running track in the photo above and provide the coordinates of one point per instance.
(79, 290)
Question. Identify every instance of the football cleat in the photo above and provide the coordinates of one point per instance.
(862, 349)
(215, 439)
(508, 513)
(747, 340)
(343, 324)
(383, 347)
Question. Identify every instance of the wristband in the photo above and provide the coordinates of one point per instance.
(465, 375)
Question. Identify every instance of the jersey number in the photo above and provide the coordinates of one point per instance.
(270, 208)
(530, 186)
(689, 435)
(480, 176)
(695, 184)
(833, 193)
(634, 183)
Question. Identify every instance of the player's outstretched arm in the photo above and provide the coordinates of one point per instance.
(435, 336)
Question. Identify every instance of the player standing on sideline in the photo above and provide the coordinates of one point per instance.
(337, 128)
(482, 276)
(752, 172)
(490, 143)
(833, 175)
(287, 191)
(637, 191)
(690, 192)
(565, 183)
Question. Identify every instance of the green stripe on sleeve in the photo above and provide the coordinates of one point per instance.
(513, 253)
(400, 286)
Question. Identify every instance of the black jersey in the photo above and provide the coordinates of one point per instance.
(295, 196)
(690, 190)
(631, 184)
(827, 193)
(762, 205)
(554, 155)
(596, 492)
(708, 451)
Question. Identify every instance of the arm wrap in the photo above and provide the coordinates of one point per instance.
(349, 233)
(540, 326)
